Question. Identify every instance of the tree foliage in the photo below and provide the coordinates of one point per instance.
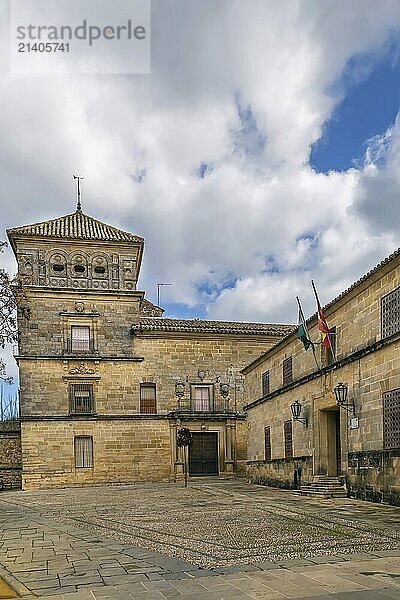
(184, 437)
(9, 290)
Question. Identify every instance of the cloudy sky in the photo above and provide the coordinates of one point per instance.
(261, 151)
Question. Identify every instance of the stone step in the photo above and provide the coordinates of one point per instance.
(331, 489)
(322, 488)
(322, 484)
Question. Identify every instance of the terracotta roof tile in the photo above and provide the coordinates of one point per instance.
(200, 326)
(75, 226)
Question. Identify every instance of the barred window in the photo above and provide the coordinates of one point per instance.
(265, 383)
(80, 338)
(287, 370)
(390, 313)
(267, 443)
(391, 419)
(83, 451)
(287, 430)
(148, 398)
(81, 395)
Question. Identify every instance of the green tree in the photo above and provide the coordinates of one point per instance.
(9, 290)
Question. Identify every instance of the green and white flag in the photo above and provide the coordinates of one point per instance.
(302, 331)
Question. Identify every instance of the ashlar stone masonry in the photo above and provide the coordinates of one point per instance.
(105, 380)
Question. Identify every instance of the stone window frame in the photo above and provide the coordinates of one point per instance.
(390, 313)
(83, 452)
(75, 320)
(103, 262)
(391, 419)
(195, 403)
(287, 370)
(147, 404)
(81, 386)
(80, 259)
(54, 260)
(267, 443)
(265, 383)
(288, 438)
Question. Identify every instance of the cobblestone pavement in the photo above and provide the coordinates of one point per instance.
(214, 540)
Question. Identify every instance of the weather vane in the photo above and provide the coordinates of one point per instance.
(78, 205)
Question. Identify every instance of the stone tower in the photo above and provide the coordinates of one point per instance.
(75, 349)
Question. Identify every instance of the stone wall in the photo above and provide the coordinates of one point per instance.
(169, 359)
(124, 451)
(357, 319)
(108, 315)
(10, 454)
(375, 476)
(282, 473)
(367, 363)
(128, 446)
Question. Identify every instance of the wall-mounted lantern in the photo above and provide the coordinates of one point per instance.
(179, 389)
(341, 393)
(224, 389)
(296, 409)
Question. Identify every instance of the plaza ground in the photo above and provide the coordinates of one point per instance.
(215, 540)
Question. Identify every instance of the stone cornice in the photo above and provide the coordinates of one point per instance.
(80, 358)
(333, 367)
(92, 417)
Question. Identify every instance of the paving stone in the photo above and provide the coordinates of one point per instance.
(91, 554)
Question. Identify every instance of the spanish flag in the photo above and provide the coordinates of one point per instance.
(323, 326)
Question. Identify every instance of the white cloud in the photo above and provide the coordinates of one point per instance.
(261, 218)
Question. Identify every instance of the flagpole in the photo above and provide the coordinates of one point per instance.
(320, 311)
(306, 330)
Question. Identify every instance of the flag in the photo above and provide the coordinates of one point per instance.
(323, 326)
(302, 332)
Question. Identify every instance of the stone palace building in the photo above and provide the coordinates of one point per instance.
(299, 433)
(105, 380)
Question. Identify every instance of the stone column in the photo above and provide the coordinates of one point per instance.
(229, 440)
(176, 454)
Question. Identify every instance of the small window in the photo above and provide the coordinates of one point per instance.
(201, 398)
(58, 268)
(391, 419)
(390, 313)
(267, 443)
(287, 370)
(83, 451)
(148, 398)
(287, 431)
(99, 270)
(81, 398)
(265, 383)
(80, 338)
(79, 269)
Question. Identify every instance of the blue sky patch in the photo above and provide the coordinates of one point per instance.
(248, 140)
(139, 176)
(369, 107)
(204, 170)
(271, 265)
(179, 310)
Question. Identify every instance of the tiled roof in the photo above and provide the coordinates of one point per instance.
(374, 270)
(75, 226)
(200, 326)
(313, 318)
